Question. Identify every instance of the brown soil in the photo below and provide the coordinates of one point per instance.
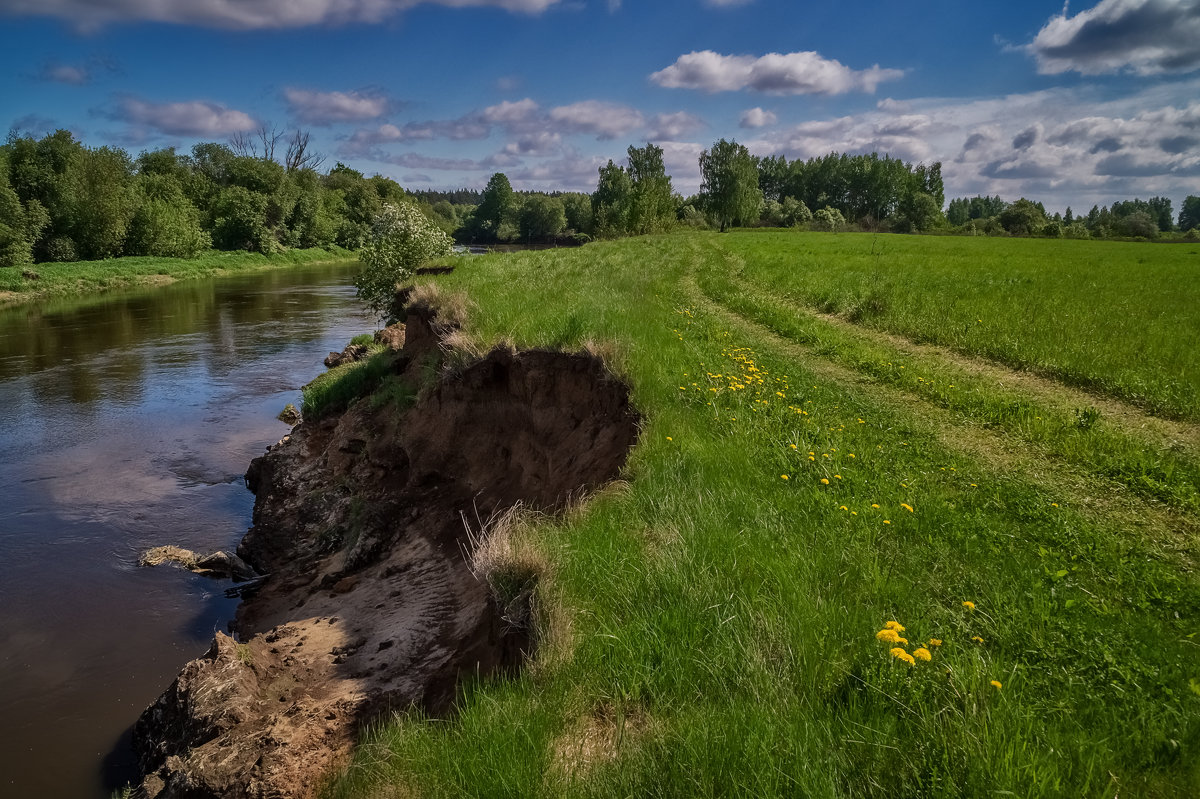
(371, 603)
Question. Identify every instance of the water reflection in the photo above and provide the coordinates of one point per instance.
(127, 422)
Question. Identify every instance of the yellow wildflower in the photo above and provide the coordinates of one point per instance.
(996, 684)
(844, 508)
(874, 505)
(824, 481)
(889, 635)
(895, 625)
(906, 507)
(969, 605)
(670, 439)
(783, 477)
(935, 641)
(899, 654)
(977, 639)
(887, 521)
(921, 653)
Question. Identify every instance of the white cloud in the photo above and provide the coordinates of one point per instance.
(1061, 146)
(1146, 37)
(757, 118)
(671, 127)
(245, 14)
(194, 118)
(774, 73)
(327, 108)
(605, 120)
(65, 73)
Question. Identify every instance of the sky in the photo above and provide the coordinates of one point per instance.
(1072, 105)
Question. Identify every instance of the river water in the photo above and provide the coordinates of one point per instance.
(127, 422)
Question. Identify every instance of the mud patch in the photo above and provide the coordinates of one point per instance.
(372, 602)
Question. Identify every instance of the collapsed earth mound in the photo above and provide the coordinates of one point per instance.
(371, 603)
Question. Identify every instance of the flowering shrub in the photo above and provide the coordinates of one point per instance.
(402, 238)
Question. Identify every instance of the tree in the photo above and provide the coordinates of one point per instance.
(1189, 213)
(610, 201)
(918, 212)
(496, 207)
(830, 219)
(1023, 218)
(104, 203)
(729, 183)
(402, 238)
(651, 201)
(578, 208)
(542, 218)
(165, 223)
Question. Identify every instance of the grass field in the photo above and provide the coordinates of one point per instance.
(715, 625)
(38, 281)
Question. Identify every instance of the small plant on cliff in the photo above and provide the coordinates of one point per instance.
(402, 238)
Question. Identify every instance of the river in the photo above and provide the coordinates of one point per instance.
(126, 422)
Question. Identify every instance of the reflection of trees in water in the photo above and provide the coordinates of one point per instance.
(222, 322)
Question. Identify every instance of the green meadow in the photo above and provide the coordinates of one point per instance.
(908, 516)
(80, 278)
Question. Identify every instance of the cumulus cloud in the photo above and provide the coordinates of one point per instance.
(757, 118)
(671, 127)
(605, 120)
(192, 118)
(774, 73)
(327, 108)
(245, 14)
(1065, 147)
(1146, 37)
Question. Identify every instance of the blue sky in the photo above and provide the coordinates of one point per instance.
(1071, 105)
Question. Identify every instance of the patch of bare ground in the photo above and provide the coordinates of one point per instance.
(597, 739)
(378, 598)
(1096, 497)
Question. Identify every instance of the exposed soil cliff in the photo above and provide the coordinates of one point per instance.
(370, 603)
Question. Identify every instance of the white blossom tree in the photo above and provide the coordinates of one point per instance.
(402, 238)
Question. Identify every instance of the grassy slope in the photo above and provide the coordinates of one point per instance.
(89, 277)
(710, 628)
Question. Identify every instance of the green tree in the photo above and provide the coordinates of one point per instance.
(829, 219)
(496, 207)
(1189, 213)
(651, 201)
(165, 224)
(918, 212)
(611, 201)
(729, 183)
(1023, 218)
(542, 218)
(578, 208)
(239, 221)
(402, 238)
(103, 203)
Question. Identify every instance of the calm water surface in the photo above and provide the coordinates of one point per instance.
(126, 423)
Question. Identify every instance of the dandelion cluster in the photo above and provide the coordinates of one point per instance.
(890, 634)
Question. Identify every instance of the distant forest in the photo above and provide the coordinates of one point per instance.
(63, 201)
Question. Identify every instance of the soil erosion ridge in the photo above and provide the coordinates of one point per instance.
(371, 603)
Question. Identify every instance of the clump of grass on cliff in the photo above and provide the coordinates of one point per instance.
(733, 622)
(333, 391)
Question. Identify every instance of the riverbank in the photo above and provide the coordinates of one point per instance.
(41, 281)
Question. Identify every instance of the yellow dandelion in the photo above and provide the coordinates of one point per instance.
(977, 639)
(783, 477)
(906, 507)
(851, 454)
(844, 508)
(899, 654)
(996, 684)
(811, 458)
(887, 521)
(895, 625)
(921, 653)
(874, 505)
(889, 635)
(824, 481)
(935, 641)
(838, 476)
(968, 604)
(670, 439)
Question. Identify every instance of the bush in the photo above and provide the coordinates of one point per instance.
(402, 238)
(830, 219)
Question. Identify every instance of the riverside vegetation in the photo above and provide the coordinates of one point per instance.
(887, 529)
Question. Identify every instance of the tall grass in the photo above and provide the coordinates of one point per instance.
(712, 629)
(1120, 317)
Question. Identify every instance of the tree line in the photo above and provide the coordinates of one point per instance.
(1135, 218)
(63, 201)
